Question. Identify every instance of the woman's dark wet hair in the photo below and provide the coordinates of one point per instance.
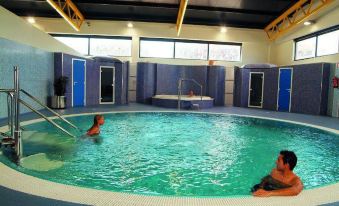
(290, 158)
(96, 118)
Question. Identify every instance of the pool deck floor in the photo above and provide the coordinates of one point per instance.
(20, 189)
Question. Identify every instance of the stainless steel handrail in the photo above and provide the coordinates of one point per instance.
(180, 89)
(43, 116)
(10, 110)
(38, 101)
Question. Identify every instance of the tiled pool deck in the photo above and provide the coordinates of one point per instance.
(20, 189)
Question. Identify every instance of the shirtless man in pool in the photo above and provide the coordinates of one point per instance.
(282, 181)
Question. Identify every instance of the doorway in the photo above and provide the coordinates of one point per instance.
(284, 90)
(78, 82)
(107, 85)
(256, 89)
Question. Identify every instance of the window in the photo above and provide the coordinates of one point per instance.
(97, 45)
(110, 47)
(328, 43)
(157, 49)
(185, 50)
(79, 44)
(189, 49)
(305, 48)
(224, 52)
(324, 42)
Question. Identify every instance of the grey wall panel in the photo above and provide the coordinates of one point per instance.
(146, 78)
(126, 82)
(325, 88)
(270, 88)
(199, 74)
(237, 87)
(244, 87)
(167, 78)
(306, 91)
(119, 84)
(216, 84)
(92, 82)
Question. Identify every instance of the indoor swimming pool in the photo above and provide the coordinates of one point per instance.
(176, 154)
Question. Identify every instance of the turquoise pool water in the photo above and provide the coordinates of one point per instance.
(178, 154)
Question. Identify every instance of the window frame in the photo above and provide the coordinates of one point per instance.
(159, 40)
(316, 35)
(190, 41)
(94, 37)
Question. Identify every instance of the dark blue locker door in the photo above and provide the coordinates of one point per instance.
(284, 90)
(78, 83)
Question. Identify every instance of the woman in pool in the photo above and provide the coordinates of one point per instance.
(95, 129)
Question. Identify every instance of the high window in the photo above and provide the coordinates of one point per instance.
(189, 49)
(158, 49)
(305, 48)
(79, 44)
(97, 45)
(224, 52)
(325, 42)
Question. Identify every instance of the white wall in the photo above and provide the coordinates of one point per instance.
(255, 45)
(19, 30)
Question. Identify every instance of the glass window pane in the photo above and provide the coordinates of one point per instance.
(305, 48)
(159, 49)
(185, 50)
(328, 43)
(110, 47)
(224, 52)
(78, 44)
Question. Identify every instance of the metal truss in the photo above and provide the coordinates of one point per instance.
(293, 16)
(68, 10)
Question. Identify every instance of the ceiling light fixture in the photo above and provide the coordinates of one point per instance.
(223, 29)
(31, 20)
(129, 25)
(307, 23)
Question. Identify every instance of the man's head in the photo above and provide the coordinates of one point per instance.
(286, 160)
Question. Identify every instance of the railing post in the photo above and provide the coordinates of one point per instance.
(17, 131)
(179, 92)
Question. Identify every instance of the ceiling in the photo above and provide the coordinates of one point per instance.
(232, 13)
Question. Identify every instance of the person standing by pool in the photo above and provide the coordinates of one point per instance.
(95, 129)
(282, 181)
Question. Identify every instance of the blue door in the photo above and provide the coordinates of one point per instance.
(78, 83)
(284, 89)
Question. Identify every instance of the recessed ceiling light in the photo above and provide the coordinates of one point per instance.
(129, 25)
(223, 29)
(306, 23)
(31, 20)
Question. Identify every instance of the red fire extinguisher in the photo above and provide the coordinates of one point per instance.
(335, 82)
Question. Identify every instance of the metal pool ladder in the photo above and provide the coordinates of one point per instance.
(13, 106)
(180, 81)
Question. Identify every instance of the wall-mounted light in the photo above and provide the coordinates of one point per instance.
(307, 23)
(223, 29)
(129, 25)
(31, 20)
